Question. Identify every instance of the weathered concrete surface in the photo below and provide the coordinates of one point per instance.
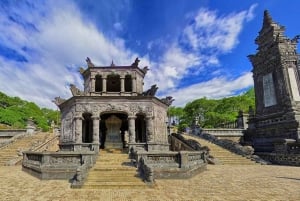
(220, 182)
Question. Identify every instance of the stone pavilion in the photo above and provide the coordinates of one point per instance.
(114, 112)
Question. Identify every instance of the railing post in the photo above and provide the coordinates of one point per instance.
(183, 159)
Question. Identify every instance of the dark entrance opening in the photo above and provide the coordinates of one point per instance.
(128, 83)
(113, 122)
(87, 128)
(140, 128)
(98, 83)
(113, 83)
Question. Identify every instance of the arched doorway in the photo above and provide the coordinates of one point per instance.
(87, 128)
(113, 127)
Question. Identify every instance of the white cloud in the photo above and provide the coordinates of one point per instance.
(203, 40)
(55, 40)
(216, 88)
(208, 30)
(58, 45)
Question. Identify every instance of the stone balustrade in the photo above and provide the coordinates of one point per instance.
(183, 164)
(225, 133)
(55, 165)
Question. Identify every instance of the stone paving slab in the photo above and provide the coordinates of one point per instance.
(220, 182)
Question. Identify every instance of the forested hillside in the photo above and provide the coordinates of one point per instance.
(15, 112)
(212, 112)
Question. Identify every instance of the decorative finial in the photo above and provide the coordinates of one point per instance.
(89, 62)
(136, 62)
(267, 17)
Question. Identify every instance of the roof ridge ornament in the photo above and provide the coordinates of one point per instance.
(89, 62)
(136, 62)
(267, 17)
(112, 63)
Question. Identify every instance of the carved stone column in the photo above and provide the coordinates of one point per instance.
(122, 84)
(131, 128)
(149, 128)
(104, 84)
(93, 83)
(133, 84)
(96, 121)
(78, 129)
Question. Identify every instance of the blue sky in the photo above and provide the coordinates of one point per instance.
(194, 48)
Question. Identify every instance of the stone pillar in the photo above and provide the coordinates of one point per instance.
(122, 84)
(149, 128)
(93, 83)
(104, 84)
(134, 84)
(78, 129)
(96, 129)
(131, 128)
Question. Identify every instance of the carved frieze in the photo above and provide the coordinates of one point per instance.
(64, 160)
(130, 109)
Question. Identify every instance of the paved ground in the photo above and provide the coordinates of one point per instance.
(220, 182)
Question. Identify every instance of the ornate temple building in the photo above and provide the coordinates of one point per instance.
(274, 127)
(114, 112)
(113, 107)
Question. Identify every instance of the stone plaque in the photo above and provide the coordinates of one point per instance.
(269, 90)
(293, 84)
(113, 136)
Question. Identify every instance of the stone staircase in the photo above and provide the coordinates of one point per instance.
(113, 170)
(224, 156)
(13, 151)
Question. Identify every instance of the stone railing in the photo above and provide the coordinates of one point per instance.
(40, 147)
(56, 165)
(183, 164)
(224, 133)
(79, 147)
(185, 159)
(237, 148)
(177, 144)
(8, 136)
(233, 124)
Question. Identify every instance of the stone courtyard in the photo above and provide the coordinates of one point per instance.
(220, 182)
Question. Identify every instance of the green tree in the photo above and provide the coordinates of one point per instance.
(15, 113)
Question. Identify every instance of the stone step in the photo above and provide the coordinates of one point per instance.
(115, 185)
(113, 170)
(223, 155)
(105, 178)
(23, 144)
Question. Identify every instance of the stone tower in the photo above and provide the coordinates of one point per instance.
(276, 83)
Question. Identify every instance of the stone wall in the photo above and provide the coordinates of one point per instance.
(281, 158)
